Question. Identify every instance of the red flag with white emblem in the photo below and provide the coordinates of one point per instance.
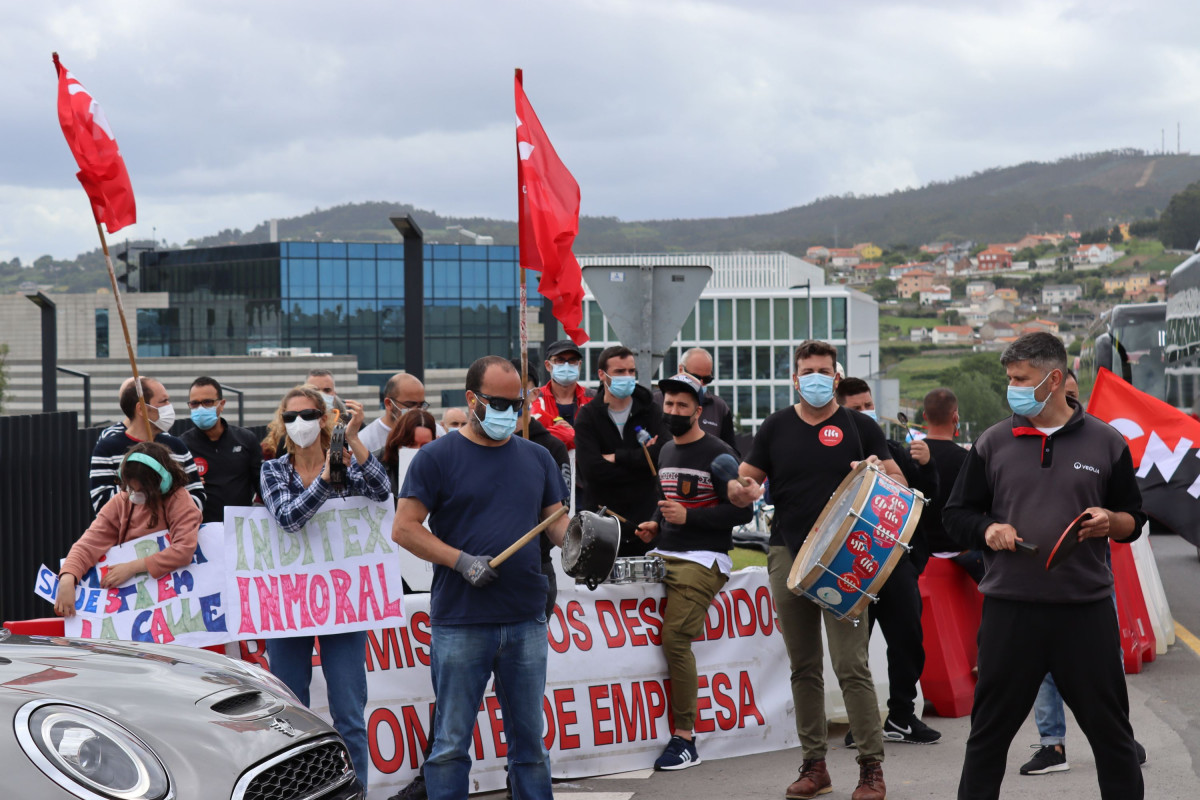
(1163, 444)
(548, 219)
(101, 168)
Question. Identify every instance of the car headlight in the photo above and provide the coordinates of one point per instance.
(89, 755)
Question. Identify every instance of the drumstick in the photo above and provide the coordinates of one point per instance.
(527, 538)
(615, 515)
(643, 438)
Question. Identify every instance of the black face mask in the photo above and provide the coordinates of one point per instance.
(677, 424)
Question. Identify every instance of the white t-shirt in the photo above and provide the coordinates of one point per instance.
(374, 436)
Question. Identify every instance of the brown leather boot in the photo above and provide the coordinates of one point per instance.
(813, 780)
(870, 782)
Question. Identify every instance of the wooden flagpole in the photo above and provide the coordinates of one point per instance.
(137, 380)
(524, 324)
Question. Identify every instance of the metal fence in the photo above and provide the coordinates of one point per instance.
(44, 504)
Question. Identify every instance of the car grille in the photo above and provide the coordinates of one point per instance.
(308, 772)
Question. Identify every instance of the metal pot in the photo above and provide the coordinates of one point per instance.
(590, 546)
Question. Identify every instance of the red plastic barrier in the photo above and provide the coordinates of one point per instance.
(1137, 633)
(951, 607)
(46, 626)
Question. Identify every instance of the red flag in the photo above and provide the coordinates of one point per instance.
(548, 219)
(1163, 443)
(101, 168)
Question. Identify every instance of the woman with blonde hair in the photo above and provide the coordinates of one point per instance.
(294, 487)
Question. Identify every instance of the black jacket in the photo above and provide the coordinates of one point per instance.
(628, 485)
(925, 480)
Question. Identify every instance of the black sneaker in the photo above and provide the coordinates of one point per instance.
(1047, 759)
(850, 740)
(1141, 751)
(414, 790)
(914, 731)
(679, 754)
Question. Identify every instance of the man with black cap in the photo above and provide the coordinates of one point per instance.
(560, 399)
(692, 532)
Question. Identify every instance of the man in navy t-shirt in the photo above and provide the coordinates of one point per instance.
(482, 490)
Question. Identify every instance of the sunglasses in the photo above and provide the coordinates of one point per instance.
(704, 379)
(502, 403)
(308, 415)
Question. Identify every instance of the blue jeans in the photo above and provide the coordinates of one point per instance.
(1048, 714)
(344, 662)
(463, 657)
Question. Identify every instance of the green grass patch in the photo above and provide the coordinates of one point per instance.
(918, 374)
(900, 327)
(744, 557)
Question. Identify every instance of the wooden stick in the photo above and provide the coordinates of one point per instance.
(527, 538)
(137, 381)
(524, 323)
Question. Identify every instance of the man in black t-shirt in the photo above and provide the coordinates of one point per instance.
(898, 610)
(806, 450)
(229, 458)
(692, 532)
(941, 420)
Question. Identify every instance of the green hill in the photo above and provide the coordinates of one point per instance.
(1081, 193)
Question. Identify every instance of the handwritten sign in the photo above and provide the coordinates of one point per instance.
(182, 607)
(339, 573)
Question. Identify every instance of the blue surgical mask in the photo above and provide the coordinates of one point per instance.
(498, 425)
(816, 389)
(328, 400)
(564, 374)
(870, 412)
(204, 418)
(1023, 399)
(622, 386)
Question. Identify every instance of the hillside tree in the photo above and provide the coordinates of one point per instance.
(1179, 225)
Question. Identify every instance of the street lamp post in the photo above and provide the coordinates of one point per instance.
(867, 356)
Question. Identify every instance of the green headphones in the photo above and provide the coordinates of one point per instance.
(164, 485)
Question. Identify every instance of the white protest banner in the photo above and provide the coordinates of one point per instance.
(607, 699)
(339, 573)
(182, 607)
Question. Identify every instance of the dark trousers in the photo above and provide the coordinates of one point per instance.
(898, 613)
(1019, 643)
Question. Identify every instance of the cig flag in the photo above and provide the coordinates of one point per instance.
(548, 218)
(1163, 443)
(101, 168)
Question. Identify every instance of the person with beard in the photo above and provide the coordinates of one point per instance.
(613, 468)
(692, 530)
(482, 489)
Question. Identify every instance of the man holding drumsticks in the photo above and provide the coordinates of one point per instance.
(1025, 480)
(483, 490)
(806, 450)
(692, 530)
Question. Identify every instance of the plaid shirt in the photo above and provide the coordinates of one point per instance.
(292, 505)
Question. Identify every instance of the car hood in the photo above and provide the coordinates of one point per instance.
(207, 717)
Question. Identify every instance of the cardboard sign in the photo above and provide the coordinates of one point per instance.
(183, 607)
(339, 573)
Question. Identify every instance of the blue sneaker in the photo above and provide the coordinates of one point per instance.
(680, 754)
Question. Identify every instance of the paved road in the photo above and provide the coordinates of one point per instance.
(1165, 709)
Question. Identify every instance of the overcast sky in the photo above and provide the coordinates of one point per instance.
(229, 113)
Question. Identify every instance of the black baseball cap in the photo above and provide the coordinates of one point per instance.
(563, 346)
(683, 382)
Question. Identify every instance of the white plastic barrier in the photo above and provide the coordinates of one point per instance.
(1152, 590)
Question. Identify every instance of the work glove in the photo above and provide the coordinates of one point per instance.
(475, 569)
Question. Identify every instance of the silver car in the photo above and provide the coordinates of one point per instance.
(127, 721)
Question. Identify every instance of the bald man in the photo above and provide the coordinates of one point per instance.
(401, 394)
(715, 417)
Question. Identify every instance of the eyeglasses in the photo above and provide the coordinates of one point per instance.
(308, 415)
(573, 361)
(411, 404)
(502, 403)
(199, 403)
(704, 379)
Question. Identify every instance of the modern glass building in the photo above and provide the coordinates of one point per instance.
(750, 318)
(337, 297)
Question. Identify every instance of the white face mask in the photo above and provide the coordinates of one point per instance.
(303, 431)
(137, 498)
(166, 417)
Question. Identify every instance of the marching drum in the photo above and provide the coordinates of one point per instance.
(861, 534)
(643, 569)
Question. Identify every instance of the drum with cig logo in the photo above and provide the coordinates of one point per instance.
(862, 532)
